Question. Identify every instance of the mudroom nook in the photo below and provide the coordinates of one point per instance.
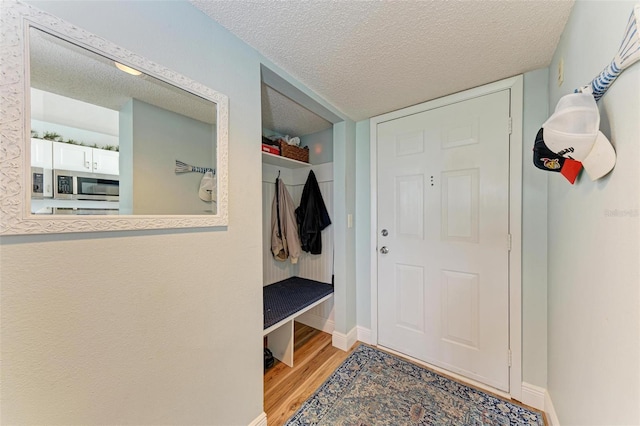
(298, 268)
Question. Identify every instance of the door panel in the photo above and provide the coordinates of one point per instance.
(409, 205)
(461, 133)
(460, 205)
(410, 297)
(443, 193)
(410, 143)
(460, 308)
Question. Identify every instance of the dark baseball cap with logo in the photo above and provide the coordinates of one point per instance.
(545, 159)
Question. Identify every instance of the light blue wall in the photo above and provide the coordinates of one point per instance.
(350, 195)
(125, 146)
(320, 146)
(363, 224)
(344, 204)
(169, 371)
(159, 138)
(534, 234)
(167, 326)
(594, 239)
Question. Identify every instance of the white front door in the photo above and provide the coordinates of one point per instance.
(443, 203)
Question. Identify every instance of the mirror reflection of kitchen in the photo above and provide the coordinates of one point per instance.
(105, 137)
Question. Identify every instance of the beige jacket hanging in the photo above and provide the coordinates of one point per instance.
(287, 243)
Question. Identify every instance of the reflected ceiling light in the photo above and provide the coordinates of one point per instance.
(127, 69)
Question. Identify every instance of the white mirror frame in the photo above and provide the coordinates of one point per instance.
(15, 214)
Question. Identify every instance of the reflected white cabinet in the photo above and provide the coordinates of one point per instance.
(85, 159)
(41, 153)
(72, 157)
(106, 162)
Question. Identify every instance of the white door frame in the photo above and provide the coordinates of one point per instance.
(515, 85)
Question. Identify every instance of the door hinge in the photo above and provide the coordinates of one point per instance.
(509, 355)
(510, 125)
(508, 242)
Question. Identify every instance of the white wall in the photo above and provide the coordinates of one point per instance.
(594, 240)
(72, 119)
(146, 327)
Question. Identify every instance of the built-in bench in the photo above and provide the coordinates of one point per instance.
(283, 302)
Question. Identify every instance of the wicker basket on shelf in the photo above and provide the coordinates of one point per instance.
(294, 152)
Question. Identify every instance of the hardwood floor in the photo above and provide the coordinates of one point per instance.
(285, 388)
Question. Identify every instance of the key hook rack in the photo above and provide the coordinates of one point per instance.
(182, 167)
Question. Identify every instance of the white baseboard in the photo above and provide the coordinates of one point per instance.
(261, 420)
(533, 396)
(345, 341)
(316, 321)
(552, 417)
(364, 335)
(539, 398)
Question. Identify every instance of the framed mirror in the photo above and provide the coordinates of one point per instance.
(98, 138)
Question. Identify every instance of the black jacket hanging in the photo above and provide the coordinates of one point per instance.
(312, 216)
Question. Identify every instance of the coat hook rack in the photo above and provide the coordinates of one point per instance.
(628, 54)
(182, 167)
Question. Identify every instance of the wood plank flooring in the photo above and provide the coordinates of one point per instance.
(314, 359)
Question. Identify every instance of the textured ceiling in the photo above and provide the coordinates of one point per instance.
(286, 117)
(65, 69)
(371, 57)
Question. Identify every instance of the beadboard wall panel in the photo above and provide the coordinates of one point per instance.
(315, 267)
(318, 267)
(273, 270)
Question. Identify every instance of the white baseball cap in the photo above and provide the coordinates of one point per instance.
(208, 187)
(573, 131)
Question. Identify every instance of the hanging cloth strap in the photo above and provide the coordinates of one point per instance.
(278, 207)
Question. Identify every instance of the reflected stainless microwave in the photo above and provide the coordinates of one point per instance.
(41, 183)
(73, 185)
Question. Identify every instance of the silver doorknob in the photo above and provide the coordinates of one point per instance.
(384, 250)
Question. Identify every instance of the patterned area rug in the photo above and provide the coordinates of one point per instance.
(375, 388)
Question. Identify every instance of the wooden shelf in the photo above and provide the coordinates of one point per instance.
(276, 160)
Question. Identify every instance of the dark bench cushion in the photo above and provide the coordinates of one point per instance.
(285, 298)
